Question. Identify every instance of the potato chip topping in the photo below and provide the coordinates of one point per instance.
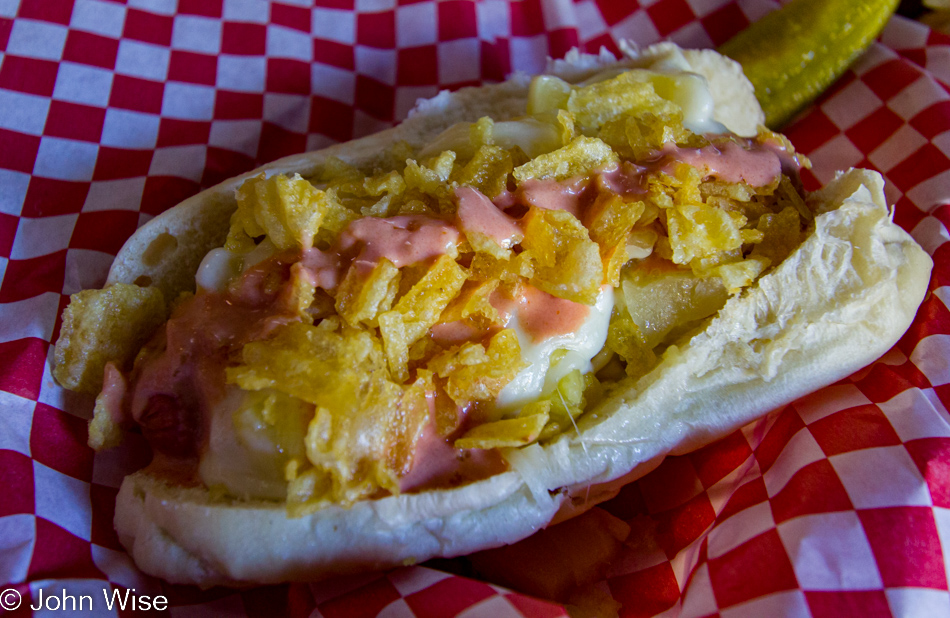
(382, 298)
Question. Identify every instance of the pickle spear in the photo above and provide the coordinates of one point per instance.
(791, 55)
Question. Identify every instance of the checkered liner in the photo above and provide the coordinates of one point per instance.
(110, 112)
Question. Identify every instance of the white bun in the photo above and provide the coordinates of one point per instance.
(836, 304)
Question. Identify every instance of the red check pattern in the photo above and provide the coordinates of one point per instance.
(112, 111)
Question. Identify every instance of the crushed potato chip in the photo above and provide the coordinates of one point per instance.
(487, 171)
(781, 234)
(301, 293)
(298, 359)
(787, 193)
(475, 373)
(610, 220)
(336, 171)
(361, 297)
(639, 136)
(361, 414)
(511, 432)
(288, 210)
(650, 132)
(104, 325)
(614, 259)
(104, 429)
(481, 133)
(738, 275)
(418, 310)
(631, 92)
(640, 242)
(391, 183)
(768, 137)
(564, 260)
(720, 191)
(568, 132)
(473, 301)
(410, 421)
(699, 231)
(684, 184)
(487, 267)
(433, 176)
(581, 156)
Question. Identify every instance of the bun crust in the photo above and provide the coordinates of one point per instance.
(840, 301)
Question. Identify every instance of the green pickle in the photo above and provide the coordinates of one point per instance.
(792, 55)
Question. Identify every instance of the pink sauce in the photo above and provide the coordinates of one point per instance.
(755, 164)
(505, 200)
(553, 195)
(323, 267)
(181, 374)
(730, 162)
(477, 213)
(402, 240)
(627, 179)
(436, 463)
(114, 389)
(259, 284)
(504, 304)
(540, 314)
(543, 316)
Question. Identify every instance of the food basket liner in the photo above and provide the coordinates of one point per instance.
(112, 112)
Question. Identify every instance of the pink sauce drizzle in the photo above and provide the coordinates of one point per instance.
(755, 164)
(552, 195)
(114, 389)
(540, 315)
(627, 179)
(323, 267)
(181, 374)
(477, 213)
(402, 240)
(731, 162)
(436, 463)
(505, 200)
(543, 316)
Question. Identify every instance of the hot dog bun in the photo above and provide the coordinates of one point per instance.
(837, 303)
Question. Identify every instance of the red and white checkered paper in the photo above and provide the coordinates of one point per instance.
(113, 111)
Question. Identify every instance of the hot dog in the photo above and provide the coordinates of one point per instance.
(443, 337)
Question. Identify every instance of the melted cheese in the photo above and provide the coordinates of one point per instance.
(541, 377)
(248, 448)
(246, 463)
(220, 266)
(691, 93)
